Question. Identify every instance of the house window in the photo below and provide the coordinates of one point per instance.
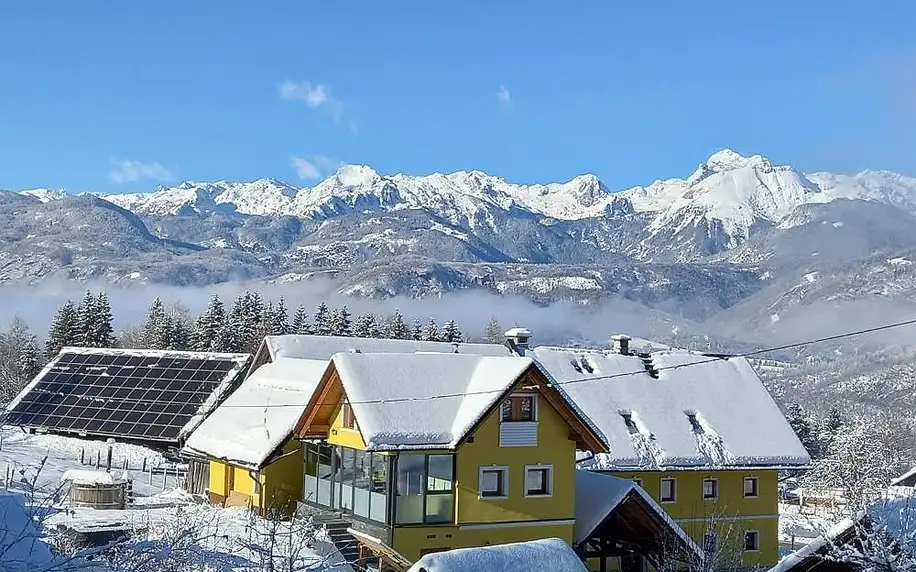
(494, 482)
(349, 421)
(710, 489)
(750, 487)
(538, 481)
(668, 490)
(518, 408)
(751, 541)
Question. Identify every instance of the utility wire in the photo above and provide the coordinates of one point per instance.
(610, 376)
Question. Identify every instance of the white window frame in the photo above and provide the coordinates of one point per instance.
(673, 490)
(756, 534)
(756, 487)
(504, 483)
(549, 469)
(715, 489)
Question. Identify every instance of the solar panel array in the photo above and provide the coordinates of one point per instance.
(142, 395)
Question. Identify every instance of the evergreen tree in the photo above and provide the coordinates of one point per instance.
(276, 319)
(239, 328)
(321, 320)
(19, 358)
(397, 328)
(494, 333)
(157, 328)
(432, 331)
(417, 332)
(366, 326)
(64, 330)
(451, 332)
(341, 322)
(208, 328)
(802, 426)
(179, 333)
(95, 321)
(830, 429)
(300, 324)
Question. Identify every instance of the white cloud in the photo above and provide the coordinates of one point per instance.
(503, 96)
(316, 96)
(314, 167)
(128, 171)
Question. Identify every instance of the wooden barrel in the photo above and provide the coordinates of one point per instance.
(99, 496)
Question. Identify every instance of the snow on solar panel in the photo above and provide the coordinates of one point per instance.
(146, 395)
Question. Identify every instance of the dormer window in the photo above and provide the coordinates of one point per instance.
(518, 408)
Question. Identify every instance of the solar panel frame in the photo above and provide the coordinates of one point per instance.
(133, 395)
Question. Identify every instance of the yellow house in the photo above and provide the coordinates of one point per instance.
(247, 441)
(699, 433)
(426, 452)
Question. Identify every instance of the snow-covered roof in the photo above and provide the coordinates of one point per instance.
(545, 554)
(81, 477)
(224, 385)
(323, 347)
(260, 415)
(415, 400)
(674, 409)
(597, 495)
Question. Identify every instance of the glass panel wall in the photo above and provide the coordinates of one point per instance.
(378, 498)
(440, 499)
(362, 481)
(411, 484)
(325, 476)
(425, 488)
(357, 479)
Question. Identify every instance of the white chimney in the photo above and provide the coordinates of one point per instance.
(621, 343)
(517, 339)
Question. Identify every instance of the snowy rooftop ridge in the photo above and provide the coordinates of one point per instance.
(259, 416)
(417, 400)
(323, 347)
(674, 408)
(514, 557)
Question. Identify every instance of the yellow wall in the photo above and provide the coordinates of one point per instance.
(410, 540)
(281, 481)
(732, 512)
(554, 448)
(339, 435)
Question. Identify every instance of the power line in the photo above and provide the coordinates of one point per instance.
(608, 376)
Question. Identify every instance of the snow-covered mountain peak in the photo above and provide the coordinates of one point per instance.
(726, 159)
(356, 176)
(45, 195)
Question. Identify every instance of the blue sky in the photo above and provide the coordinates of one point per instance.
(124, 96)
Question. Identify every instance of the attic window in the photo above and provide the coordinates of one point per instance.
(587, 366)
(628, 420)
(349, 421)
(518, 408)
(694, 423)
(575, 365)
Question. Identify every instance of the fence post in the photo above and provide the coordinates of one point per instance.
(125, 467)
(98, 459)
(144, 464)
(108, 459)
(82, 455)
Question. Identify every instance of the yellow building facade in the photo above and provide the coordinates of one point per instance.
(732, 514)
(508, 475)
(272, 489)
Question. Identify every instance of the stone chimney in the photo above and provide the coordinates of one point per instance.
(517, 340)
(621, 344)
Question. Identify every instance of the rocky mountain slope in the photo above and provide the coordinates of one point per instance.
(739, 241)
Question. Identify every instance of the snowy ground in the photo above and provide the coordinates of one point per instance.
(796, 529)
(185, 535)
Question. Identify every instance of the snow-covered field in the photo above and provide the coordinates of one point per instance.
(170, 530)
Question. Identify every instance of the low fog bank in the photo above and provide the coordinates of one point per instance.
(562, 322)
